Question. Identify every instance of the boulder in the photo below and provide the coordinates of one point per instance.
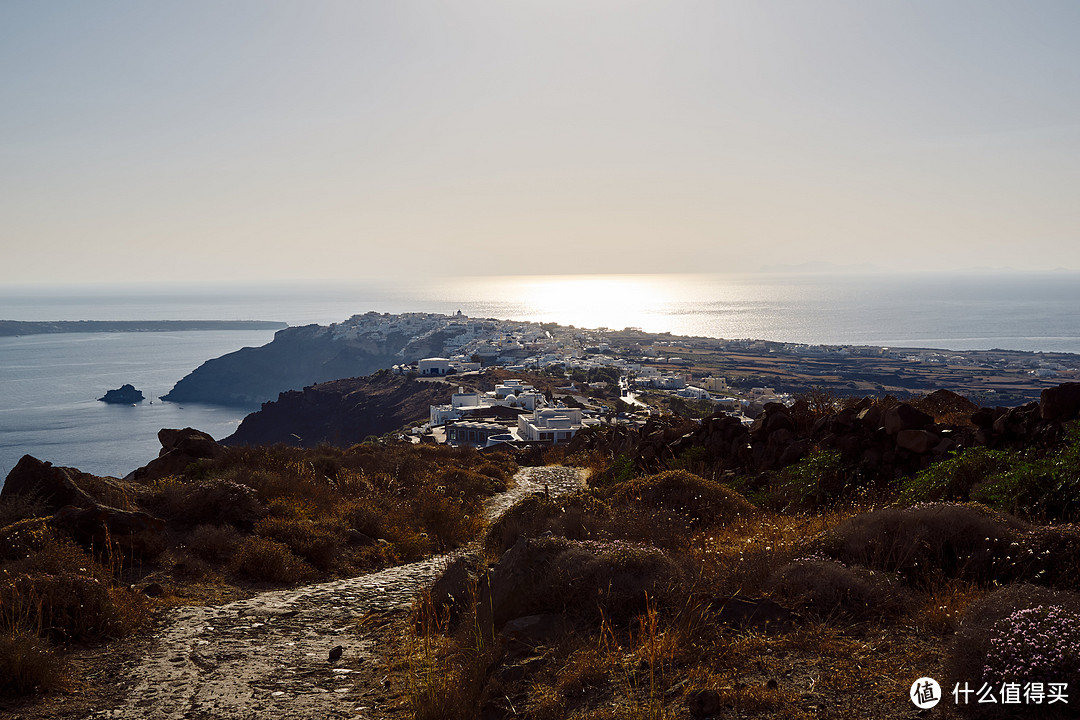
(188, 441)
(98, 525)
(904, 417)
(1061, 403)
(55, 486)
(775, 417)
(871, 417)
(179, 449)
(919, 442)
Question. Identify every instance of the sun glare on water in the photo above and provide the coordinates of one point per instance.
(587, 301)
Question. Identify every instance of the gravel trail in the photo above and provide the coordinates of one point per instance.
(269, 656)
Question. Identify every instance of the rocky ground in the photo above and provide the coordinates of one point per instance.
(314, 652)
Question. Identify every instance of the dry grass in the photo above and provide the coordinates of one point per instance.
(28, 664)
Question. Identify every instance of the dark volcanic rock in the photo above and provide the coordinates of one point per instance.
(179, 448)
(342, 412)
(1060, 403)
(99, 525)
(56, 486)
(124, 395)
(905, 417)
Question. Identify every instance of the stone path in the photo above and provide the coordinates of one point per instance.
(268, 656)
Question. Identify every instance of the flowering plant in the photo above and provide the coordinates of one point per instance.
(1040, 643)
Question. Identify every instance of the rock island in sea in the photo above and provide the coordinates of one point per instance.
(124, 395)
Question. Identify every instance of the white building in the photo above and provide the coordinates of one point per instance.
(434, 366)
(511, 394)
(554, 425)
(694, 393)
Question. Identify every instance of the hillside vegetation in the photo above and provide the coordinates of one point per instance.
(707, 570)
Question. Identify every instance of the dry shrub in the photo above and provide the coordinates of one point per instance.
(449, 520)
(743, 555)
(319, 543)
(1048, 555)
(696, 501)
(213, 543)
(263, 559)
(999, 624)
(926, 541)
(363, 516)
(34, 547)
(70, 607)
(828, 590)
(587, 579)
(577, 517)
(444, 673)
(27, 664)
(214, 502)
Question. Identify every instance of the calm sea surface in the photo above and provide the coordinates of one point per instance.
(48, 383)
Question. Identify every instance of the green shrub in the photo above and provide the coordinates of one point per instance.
(817, 481)
(953, 478)
(1041, 489)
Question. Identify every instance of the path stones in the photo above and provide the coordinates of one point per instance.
(266, 656)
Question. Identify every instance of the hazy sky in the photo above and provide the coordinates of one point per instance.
(258, 140)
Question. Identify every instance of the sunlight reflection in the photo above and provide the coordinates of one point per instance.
(589, 301)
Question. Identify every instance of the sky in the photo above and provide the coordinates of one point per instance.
(263, 140)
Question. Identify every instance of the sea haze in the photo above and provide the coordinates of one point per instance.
(49, 383)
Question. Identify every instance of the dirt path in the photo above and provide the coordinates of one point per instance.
(268, 656)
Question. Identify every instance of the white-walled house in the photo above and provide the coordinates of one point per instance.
(550, 424)
(433, 366)
(511, 393)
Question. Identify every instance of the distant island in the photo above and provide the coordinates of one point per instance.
(124, 395)
(10, 328)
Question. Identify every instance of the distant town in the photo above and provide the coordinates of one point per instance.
(601, 375)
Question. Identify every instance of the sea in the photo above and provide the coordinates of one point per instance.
(49, 384)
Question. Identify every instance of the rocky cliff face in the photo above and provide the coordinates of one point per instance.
(296, 358)
(342, 412)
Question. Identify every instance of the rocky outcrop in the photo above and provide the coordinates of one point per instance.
(124, 395)
(85, 506)
(342, 412)
(179, 448)
(98, 525)
(876, 437)
(56, 487)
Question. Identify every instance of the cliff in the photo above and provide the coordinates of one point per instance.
(297, 357)
(301, 356)
(341, 412)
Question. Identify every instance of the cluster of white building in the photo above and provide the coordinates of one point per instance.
(472, 417)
